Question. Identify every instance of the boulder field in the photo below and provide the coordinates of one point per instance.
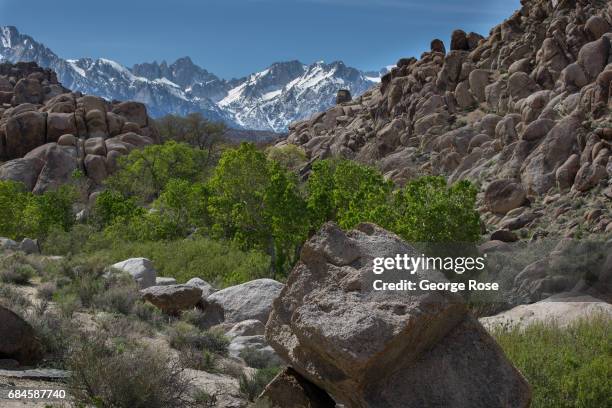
(524, 113)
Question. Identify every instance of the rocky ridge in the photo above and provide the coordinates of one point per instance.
(524, 113)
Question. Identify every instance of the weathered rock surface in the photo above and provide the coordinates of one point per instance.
(141, 269)
(251, 300)
(337, 333)
(18, 339)
(172, 299)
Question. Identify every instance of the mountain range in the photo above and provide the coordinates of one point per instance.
(267, 100)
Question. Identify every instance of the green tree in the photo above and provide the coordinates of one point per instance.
(25, 214)
(289, 156)
(256, 203)
(348, 193)
(13, 200)
(111, 206)
(428, 210)
(144, 173)
(185, 203)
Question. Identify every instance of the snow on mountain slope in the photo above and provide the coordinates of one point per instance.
(268, 100)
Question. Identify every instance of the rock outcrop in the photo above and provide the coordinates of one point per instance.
(371, 348)
(530, 104)
(48, 132)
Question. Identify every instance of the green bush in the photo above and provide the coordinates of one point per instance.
(290, 156)
(27, 215)
(425, 210)
(567, 367)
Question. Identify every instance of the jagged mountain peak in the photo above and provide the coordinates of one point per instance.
(266, 100)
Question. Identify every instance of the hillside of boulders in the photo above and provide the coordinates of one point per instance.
(524, 112)
(47, 132)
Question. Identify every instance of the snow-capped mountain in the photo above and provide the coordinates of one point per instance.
(266, 100)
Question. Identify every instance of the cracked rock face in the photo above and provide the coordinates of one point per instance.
(371, 349)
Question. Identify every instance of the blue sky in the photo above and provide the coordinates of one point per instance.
(232, 38)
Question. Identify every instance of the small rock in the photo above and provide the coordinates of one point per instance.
(251, 300)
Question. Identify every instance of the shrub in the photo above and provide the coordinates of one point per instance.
(19, 274)
(18, 268)
(13, 299)
(198, 359)
(252, 385)
(129, 376)
(567, 367)
(255, 358)
(117, 299)
(112, 206)
(46, 291)
(56, 334)
(184, 259)
(183, 336)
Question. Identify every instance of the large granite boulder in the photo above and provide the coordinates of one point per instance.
(380, 348)
(18, 340)
(141, 269)
(172, 299)
(251, 300)
(22, 170)
(24, 132)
